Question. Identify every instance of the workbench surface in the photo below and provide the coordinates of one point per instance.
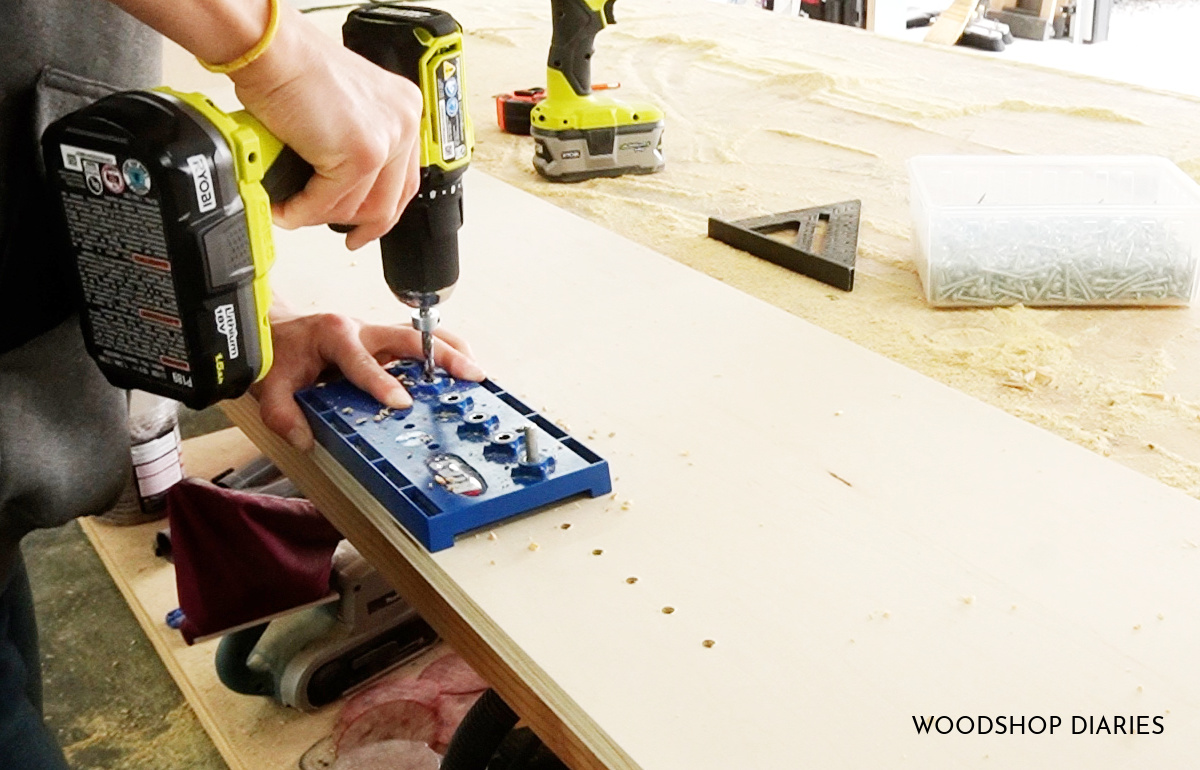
(861, 544)
(767, 114)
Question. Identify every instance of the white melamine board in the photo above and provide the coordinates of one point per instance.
(862, 543)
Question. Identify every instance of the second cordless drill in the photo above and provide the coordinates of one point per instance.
(578, 134)
(420, 254)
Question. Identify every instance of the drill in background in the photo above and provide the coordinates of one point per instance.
(420, 254)
(166, 200)
(580, 135)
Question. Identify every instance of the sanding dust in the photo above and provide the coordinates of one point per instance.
(798, 135)
(174, 745)
(763, 118)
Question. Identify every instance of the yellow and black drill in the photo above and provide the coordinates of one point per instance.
(579, 134)
(166, 201)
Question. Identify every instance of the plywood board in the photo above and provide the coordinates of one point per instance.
(950, 23)
(251, 733)
(861, 544)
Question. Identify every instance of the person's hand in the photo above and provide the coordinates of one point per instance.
(305, 346)
(356, 123)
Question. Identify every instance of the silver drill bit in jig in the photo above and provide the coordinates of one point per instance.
(425, 320)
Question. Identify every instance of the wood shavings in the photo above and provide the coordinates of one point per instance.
(839, 478)
(360, 421)
(1137, 627)
(347, 410)
(1161, 616)
(612, 435)
(533, 546)
(625, 506)
(493, 536)
(668, 610)
(597, 551)
(631, 580)
(967, 599)
(709, 643)
(1027, 380)
(565, 525)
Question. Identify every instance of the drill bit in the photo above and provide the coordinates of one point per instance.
(427, 351)
(425, 320)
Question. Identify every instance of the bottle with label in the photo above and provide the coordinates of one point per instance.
(154, 446)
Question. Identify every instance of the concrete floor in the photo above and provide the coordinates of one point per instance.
(108, 697)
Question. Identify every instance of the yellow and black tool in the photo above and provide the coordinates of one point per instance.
(578, 134)
(166, 200)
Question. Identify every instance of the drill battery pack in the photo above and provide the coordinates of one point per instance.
(169, 226)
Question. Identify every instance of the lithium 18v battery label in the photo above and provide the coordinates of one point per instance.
(124, 267)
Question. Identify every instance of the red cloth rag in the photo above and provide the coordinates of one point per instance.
(241, 556)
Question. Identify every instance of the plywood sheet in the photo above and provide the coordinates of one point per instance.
(861, 544)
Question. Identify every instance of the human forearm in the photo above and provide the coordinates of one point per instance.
(216, 31)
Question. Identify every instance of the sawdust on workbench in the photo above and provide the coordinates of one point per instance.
(774, 116)
(169, 745)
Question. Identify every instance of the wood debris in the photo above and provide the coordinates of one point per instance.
(1027, 380)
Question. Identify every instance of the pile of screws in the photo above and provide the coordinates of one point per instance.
(1069, 261)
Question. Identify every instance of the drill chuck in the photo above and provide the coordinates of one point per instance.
(420, 254)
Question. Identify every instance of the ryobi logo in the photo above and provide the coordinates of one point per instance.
(227, 325)
(206, 195)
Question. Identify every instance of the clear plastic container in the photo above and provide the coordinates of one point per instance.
(1055, 230)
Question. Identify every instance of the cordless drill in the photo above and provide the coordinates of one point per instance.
(420, 254)
(578, 134)
(166, 200)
